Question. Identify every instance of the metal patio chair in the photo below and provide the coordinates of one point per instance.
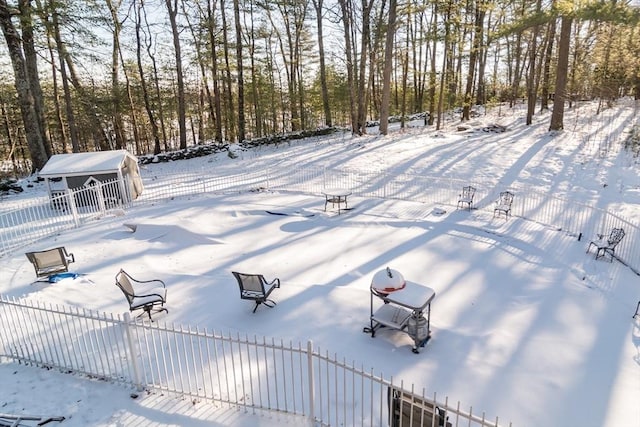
(608, 245)
(466, 196)
(503, 204)
(146, 295)
(256, 288)
(50, 261)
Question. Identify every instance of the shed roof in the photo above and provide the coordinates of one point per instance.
(76, 164)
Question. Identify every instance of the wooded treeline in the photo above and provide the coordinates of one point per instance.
(159, 75)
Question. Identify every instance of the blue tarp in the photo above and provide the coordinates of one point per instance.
(54, 278)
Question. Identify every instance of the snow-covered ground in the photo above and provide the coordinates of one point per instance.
(526, 326)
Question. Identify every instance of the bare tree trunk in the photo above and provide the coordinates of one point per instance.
(433, 71)
(285, 101)
(145, 93)
(241, 119)
(11, 141)
(416, 56)
(205, 92)
(201, 120)
(255, 89)
(273, 96)
(445, 61)
(156, 80)
(517, 68)
(374, 90)
(96, 129)
(478, 35)
(608, 89)
(134, 116)
(557, 116)
(571, 78)
(115, 69)
(194, 137)
(481, 96)
(546, 74)
(214, 70)
(31, 63)
(532, 92)
(345, 7)
(388, 64)
(454, 68)
(299, 25)
(317, 4)
(405, 83)
(230, 124)
(362, 75)
(182, 113)
(35, 139)
(293, 17)
(56, 97)
(71, 118)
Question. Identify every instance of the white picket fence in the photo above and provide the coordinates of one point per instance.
(259, 374)
(44, 217)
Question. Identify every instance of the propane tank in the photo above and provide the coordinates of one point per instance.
(417, 327)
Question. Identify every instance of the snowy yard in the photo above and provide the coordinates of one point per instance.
(526, 326)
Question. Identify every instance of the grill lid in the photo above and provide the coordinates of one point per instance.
(388, 280)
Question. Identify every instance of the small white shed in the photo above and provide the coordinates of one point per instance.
(75, 171)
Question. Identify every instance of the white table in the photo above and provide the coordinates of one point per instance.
(400, 308)
(336, 196)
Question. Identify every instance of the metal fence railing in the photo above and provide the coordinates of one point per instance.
(258, 374)
(64, 210)
(47, 216)
(532, 204)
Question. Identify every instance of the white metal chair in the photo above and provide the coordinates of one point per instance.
(146, 295)
(503, 204)
(608, 245)
(256, 288)
(466, 196)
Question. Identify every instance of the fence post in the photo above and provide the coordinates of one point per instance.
(102, 207)
(72, 206)
(133, 360)
(310, 381)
